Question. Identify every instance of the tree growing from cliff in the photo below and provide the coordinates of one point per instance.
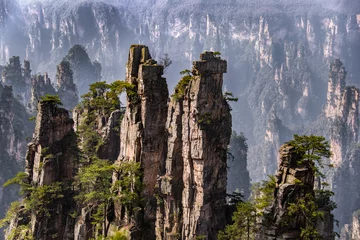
(97, 192)
(245, 217)
(311, 207)
(313, 150)
(165, 61)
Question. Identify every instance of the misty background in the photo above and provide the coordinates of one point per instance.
(278, 52)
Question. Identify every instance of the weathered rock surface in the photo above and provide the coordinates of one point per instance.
(238, 178)
(143, 136)
(84, 71)
(40, 86)
(67, 90)
(14, 130)
(13, 75)
(193, 184)
(342, 111)
(294, 180)
(51, 158)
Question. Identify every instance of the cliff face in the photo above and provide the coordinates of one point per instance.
(84, 71)
(15, 128)
(40, 86)
(278, 50)
(12, 75)
(50, 168)
(342, 111)
(143, 129)
(193, 182)
(67, 90)
(294, 181)
(238, 178)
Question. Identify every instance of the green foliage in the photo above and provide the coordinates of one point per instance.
(312, 149)
(186, 72)
(20, 232)
(52, 99)
(216, 54)
(165, 61)
(307, 209)
(42, 197)
(229, 97)
(200, 237)
(129, 182)
(235, 198)
(264, 193)
(244, 226)
(205, 119)
(311, 208)
(122, 234)
(33, 118)
(98, 192)
(10, 214)
(20, 179)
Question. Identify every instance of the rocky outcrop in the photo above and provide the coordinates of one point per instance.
(238, 179)
(342, 111)
(50, 169)
(278, 51)
(192, 185)
(67, 90)
(85, 72)
(12, 75)
(294, 181)
(14, 129)
(143, 136)
(40, 86)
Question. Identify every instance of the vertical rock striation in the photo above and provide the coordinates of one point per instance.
(193, 184)
(294, 180)
(143, 135)
(14, 129)
(238, 178)
(342, 111)
(50, 161)
(67, 90)
(40, 86)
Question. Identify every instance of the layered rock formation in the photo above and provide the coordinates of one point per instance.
(67, 90)
(15, 128)
(85, 72)
(12, 75)
(143, 136)
(40, 86)
(279, 50)
(238, 179)
(50, 168)
(192, 184)
(294, 181)
(342, 111)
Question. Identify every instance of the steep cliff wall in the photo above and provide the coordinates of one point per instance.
(278, 51)
(342, 111)
(238, 178)
(15, 128)
(50, 168)
(143, 137)
(40, 86)
(67, 89)
(193, 185)
(294, 181)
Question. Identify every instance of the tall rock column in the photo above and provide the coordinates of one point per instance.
(50, 169)
(67, 89)
(342, 111)
(143, 137)
(295, 180)
(193, 184)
